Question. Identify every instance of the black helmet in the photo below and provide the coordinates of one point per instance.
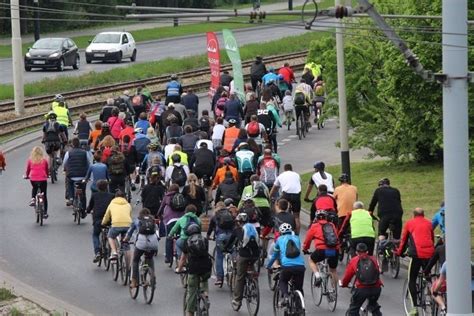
(319, 165)
(228, 201)
(193, 229)
(384, 181)
(344, 177)
(361, 247)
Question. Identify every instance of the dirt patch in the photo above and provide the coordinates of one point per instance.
(20, 306)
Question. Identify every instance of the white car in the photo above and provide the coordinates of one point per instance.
(113, 46)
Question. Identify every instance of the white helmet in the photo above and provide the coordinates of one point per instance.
(58, 97)
(247, 197)
(285, 228)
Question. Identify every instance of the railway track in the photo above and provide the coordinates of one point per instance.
(34, 120)
(120, 87)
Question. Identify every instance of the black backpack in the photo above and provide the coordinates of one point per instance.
(116, 164)
(253, 214)
(330, 236)
(292, 250)
(146, 225)
(198, 245)
(224, 219)
(259, 190)
(300, 98)
(204, 124)
(178, 176)
(178, 202)
(367, 272)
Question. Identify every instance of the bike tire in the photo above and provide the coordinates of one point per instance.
(253, 297)
(37, 217)
(298, 129)
(407, 303)
(124, 270)
(277, 311)
(105, 254)
(133, 291)
(41, 214)
(214, 254)
(149, 285)
(298, 304)
(331, 289)
(184, 302)
(316, 291)
(394, 265)
(115, 269)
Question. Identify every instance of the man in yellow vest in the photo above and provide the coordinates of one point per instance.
(60, 109)
(362, 228)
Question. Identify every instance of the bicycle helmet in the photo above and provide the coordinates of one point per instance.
(174, 77)
(228, 201)
(232, 121)
(285, 228)
(58, 97)
(384, 181)
(193, 229)
(138, 130)
(344, 177)
(361, 247)
(51, 115)
(242, 217)
(247, 197)
(319, 165)
(153, 146)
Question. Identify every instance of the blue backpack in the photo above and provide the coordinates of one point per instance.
(141, 145)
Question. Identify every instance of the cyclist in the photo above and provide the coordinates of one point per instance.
(195, 194)
(326, 246)
(117, 169)
(287, 250)
(98, 204)
(220, 174)
(37, 171)
(439, 256)
(288, 75)
(361, 227)
(272, 136)
(203, 163)
(116, 124)
(188, 141)
(174, 90)
(367, 284)
(3, 162)
(439, 219)
(231, 133)
(389, 210)
(179, 229)
(53, 136)
(119, 216)
(61, 110)
(244, 159)
(153, 157)
(142, 123)
(82, 130)
(345, 195)
(146, 242)
(153, 193)
(260, 195)
(245, 237)
(320, 177)
(257, 71)
(233, 109)
(106, 111)
(418, 237)
(302, 100)
(439, 286)
(98, 171)
(177, 173)
(228, 188)
(290, 184)
(76, 163)
(268, 167)
(178, 150)
(288, 107)
(326, 202)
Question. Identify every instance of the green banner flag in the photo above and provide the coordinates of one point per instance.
(233, 52)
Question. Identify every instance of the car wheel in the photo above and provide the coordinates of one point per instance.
(88, 61)
(27, 68)
(134, 55)
(77, 63)
(61, 65)
(119, 58)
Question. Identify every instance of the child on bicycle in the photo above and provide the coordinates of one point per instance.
(287, 250)
(146, 242)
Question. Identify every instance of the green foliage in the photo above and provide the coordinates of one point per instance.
(393, 111)
(6, 294)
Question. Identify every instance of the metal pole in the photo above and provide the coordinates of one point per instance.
(17, 58)
(456, 157)
(175, 20)
(290, 5)
(341, 92)
(37, 21)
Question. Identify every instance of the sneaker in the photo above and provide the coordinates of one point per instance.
(96, 258)
(236, 305)
(317, 280)
(283, 303)
(45, 216)
(218, 282)
(113, 256)
(69, 202)
(413, 312)
(32, 202)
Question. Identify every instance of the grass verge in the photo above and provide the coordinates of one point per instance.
(6, 294)
(152, 69)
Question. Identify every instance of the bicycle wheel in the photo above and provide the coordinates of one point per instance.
(425, 299)
(407, 301)
(214, 254)
(252, 296)
(316, 291)
(134, 291)
(394, 265)
(148, 284)
(271, 277)
(184, 302)
(303, 125)
(184, 279)
(298, 128)
(228, 268)
(277, 311)
(202, 305)
(115, 267)
(331, 288)
(37, 214)
(298, 307)
(41, 214)
(124, 269)
(106, 253)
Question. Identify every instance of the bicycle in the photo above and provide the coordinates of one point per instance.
(435, 310)
(423, 296)
(345, 249)
(121, 266)
(251, 292)
(39, 206)
(146, 280)
(202, 304)
(388, 260)
(318, 112)
(327, 287)
(300, 123)
(53, 167)
(105, 250)
(230, 270)
(77, 206)
(288, 118)
(295, 305)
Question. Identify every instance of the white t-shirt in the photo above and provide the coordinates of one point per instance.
(169, 171)
(257, 139)
(289, 182)
(218, 131)
(169, 150)
(317, 180)
(288, 104)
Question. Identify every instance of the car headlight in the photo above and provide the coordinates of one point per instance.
(54, 55)
(113, 50)
(28, 55)
(88, 50)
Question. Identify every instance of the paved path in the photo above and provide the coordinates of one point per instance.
(57, 258)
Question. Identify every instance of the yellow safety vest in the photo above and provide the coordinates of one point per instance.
(62, 113)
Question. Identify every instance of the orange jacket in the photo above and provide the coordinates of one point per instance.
(220, 175)
(230, 135)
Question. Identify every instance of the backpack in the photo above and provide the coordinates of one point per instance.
(224, 219)
(197, 245)
(137, 100)
(191, 221)
(246, 164)
(300, 98)
(146, 225)
(330, 236)
(220, 104)
(52, 128)
(268, 170)
(253, 129)
(178, 202)
(292, 250)
(120, 104)
(367, 272)
(250, 240)
(106, 152)
(116, 163)
(253, 214)
(141, 145)
(178, 176)
(259, 190)
(204, 124)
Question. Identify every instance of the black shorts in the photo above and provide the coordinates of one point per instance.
(393, 222)
(295, 201)
(52, 147)
(320, 255)
(301, 108)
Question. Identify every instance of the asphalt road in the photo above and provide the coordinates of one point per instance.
(57, 258)
(153, 51)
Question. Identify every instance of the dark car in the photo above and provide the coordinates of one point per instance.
(52, 53)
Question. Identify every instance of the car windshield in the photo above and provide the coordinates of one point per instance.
(48, 43)
(107, 38)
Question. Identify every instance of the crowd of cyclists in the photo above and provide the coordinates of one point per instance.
(185, 167)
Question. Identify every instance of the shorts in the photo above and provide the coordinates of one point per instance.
(294, 199)
(387, 221)
(52, 147)
(114, 232)
(320, 255)
(301, 108)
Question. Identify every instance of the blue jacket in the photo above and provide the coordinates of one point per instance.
(98, 171)
(173, 88)
(438, 219)
(279, 252)
(143, 124)
(233, 110)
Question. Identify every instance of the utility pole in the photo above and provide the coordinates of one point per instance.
(341, 92)
(456, 156)
(17, 58)
(290, 5)
(37, 21)
(175, 20)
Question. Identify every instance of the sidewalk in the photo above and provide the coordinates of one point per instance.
(29, 38)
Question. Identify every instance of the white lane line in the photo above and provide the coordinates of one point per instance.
(293, 136)
(286, 140)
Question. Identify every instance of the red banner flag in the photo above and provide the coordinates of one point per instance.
(214, 61)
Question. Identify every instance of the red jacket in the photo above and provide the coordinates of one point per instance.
(316, 232)
(287, 73)
(325, 202)
(418, 237)
(351, 270)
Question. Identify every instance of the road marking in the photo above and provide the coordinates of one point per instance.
(293, 136)
(286, 140)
